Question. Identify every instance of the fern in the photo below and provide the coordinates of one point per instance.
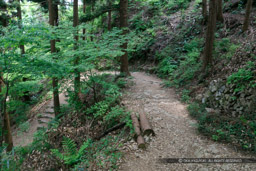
(69, 146)
(71, 154)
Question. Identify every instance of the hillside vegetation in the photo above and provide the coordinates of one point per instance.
(64, 67)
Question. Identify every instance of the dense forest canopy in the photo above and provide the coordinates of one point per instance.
(65, 65)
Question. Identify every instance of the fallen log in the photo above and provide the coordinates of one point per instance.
(141, 142)
(145, 126)
(138, 138)
(116, 127)
(136, 126)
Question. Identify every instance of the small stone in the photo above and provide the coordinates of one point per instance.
(213, 149)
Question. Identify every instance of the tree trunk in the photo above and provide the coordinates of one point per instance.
(84, 11)
(53, 22)
(76, 62)
(109, 17)
(26, 96)
(207, 59)
(204, 10)
(7, 126)
(247, 15)
(124, 24)
(22, 48)
(4, 13)
(220, 11)
(109, 20)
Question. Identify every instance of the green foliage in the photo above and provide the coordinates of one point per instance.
(174, 5)
(185, 95)
(8, 161)
(239, 132)
(166, 67)
(141, 45)
(24, 127)
(71, 155)
(103, 154)
(191, 60)
(40, 141)
(243, 77)
(225, 49)
(138, 24)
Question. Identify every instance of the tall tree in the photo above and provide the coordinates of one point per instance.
(204, 10)
(109, 16)
(19, 14)
(124, 24)
(3, 15)
(219, 11)
(53, 22)
(247, 15)
(7, 126)
(84, 11)
(77, 72)
(207, 59)
(6, 131)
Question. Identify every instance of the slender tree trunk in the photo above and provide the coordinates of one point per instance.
(53, 22)
(109, 21)
(7, 126)
(84, 11)
(26, 96)
(124, 24)
(109, 17)
(247, 15)
(76, 62)
(220, 11)
(204, 10)
(4, 24)
(22, 48)
(92, 11)
(210, 35)
(1, 112)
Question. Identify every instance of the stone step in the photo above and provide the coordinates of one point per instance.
(49, 110)
(46, 115)
(44, 120)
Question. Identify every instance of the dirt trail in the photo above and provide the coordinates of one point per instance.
(176, 133)
(41, 120)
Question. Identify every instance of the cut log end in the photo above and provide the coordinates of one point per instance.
(141, 142)
(148, 132)
(145, 126)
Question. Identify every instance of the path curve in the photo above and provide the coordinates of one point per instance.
(176, 133)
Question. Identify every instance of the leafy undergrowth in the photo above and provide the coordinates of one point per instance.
(240, 132)
(75, 140)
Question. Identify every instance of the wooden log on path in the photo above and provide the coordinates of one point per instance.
(138, 138)
(145, 126)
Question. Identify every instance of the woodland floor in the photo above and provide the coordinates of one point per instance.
(176, 133)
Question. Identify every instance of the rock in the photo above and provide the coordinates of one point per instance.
(213, 89)
(203, 169)
(199, 153)
(213, 149)
(199, 97)
(204, 100)
(222, 89)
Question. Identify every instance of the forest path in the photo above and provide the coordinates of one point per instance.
(176, 133)
(43, 116)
